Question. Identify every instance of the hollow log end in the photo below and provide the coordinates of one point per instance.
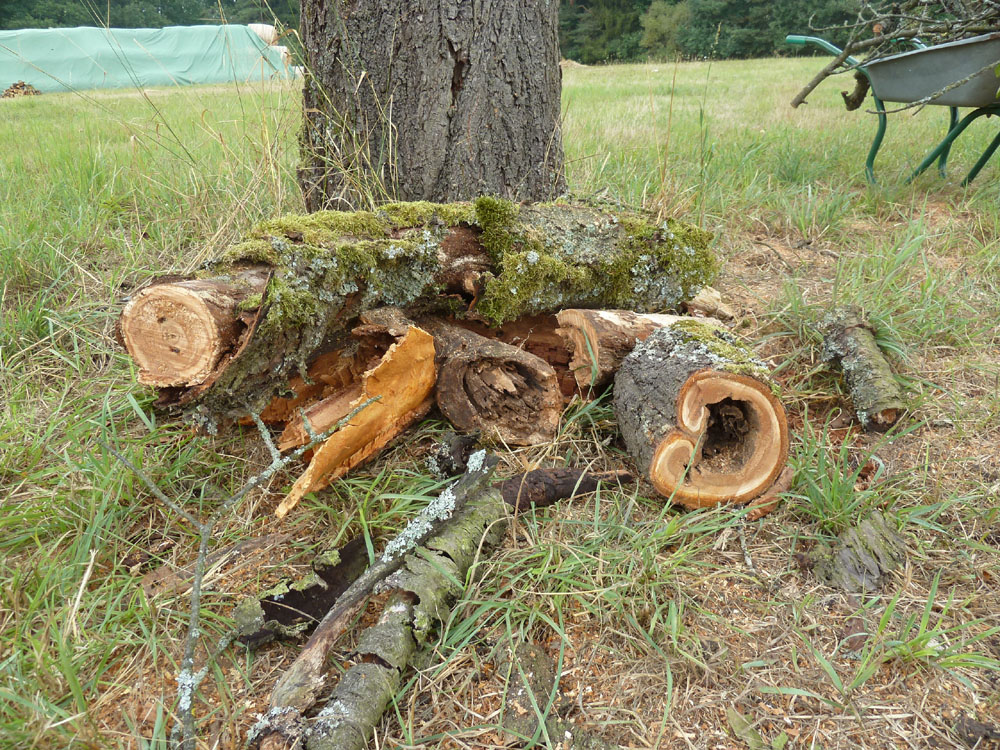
(730, 443)
(173, 334)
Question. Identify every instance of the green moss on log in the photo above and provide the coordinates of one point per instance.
(721, 348)
(551, 256)
(329, 267)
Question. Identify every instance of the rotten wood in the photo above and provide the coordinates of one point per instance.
(493, 388)
(544, 487)
(862, 557)
(698, 414)
(402, 382)
(849, 341)
(600, 339)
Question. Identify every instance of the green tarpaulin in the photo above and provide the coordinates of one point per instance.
(95, 58)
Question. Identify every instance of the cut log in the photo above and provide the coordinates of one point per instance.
(600, 339)
(850, 342)
(494, 388)
(177, 333)
(698, 414)
(535, 334)
(490, 260)
(402, 382)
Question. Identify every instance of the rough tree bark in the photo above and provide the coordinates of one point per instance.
(430, 100)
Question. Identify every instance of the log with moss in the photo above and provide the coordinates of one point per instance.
(489, 260)
(700, 417)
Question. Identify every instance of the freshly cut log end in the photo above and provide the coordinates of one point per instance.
(698, 413)
(494, 388)
(600, 339)
(177, 333)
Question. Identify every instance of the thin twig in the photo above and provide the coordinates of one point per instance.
(184, 733)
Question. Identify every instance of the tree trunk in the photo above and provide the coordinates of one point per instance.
(490, 260)
(430, 100)
(494, 388)
(698, 414)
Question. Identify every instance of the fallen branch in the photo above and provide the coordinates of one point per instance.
(849, 341)
(298, 688)
(423, 583)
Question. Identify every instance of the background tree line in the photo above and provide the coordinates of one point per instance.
(594, 31)
(591, 31)
(42, 14)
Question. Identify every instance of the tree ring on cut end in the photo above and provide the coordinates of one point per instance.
(730, 442)
(173, 334)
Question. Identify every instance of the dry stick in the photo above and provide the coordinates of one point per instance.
(299, 686)
(188, 680)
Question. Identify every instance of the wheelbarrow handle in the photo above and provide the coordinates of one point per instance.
(802, 40)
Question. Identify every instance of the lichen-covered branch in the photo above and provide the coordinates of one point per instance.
(850, 342)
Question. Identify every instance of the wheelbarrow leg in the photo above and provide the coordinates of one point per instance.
(877, 143)
(945, 145)
(990, 150)
(943, 160)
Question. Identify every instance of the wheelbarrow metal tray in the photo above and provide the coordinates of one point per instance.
(911, 76)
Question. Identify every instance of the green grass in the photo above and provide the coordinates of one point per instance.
(655, 613)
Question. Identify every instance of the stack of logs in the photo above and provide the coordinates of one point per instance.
(490, 311)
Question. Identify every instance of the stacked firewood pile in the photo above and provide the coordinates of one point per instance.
(20, 88)
(496, 314)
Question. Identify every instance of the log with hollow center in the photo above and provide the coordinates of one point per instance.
(488, 386)
(698, 414)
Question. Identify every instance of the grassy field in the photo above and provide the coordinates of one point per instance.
(666, 622)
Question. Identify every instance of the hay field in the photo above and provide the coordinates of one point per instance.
(667, 623)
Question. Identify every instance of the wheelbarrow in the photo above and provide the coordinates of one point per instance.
(912, 76)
